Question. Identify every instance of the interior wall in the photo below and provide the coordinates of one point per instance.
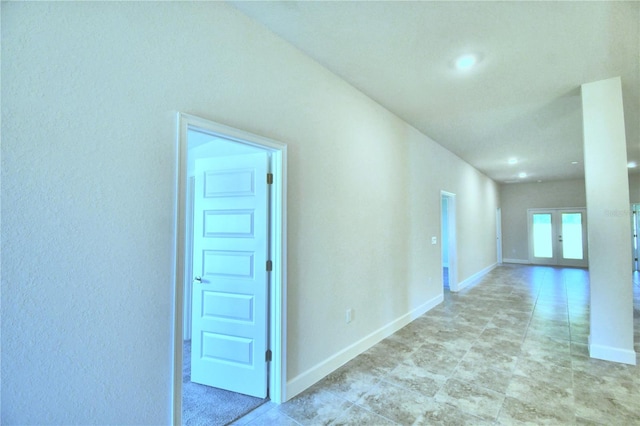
(434, 169)
(90, 94)
(517, 198)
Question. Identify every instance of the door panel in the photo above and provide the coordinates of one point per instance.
(229, 316)
(572, 236)
(543, 237)
(558, 237)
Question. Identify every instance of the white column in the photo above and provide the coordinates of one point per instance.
(607, 189)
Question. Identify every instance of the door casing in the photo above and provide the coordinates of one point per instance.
(278, 249)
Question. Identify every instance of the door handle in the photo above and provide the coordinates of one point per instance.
(199, 279)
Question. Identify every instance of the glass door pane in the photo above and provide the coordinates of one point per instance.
(571, 236)
(558, 237)
(542, 235)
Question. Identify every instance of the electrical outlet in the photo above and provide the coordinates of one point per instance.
(434, 240)
(349, 315)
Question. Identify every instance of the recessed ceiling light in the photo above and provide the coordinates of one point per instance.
(466, 62)
(574, 162)
(539, 180)
(513, 160)
(632, 164)
(522, 175)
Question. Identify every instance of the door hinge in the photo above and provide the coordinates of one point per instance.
(268, 355)
(269, 178)
(269, 266)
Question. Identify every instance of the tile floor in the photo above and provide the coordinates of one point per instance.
(511, 350)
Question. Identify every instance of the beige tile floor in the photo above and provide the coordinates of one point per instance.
(511, 350)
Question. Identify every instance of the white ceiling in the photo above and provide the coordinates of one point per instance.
(523, 98)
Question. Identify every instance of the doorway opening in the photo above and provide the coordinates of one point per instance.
(499, 236)
(558, 237)
(635, 235)
(448, 240)
(230, 263)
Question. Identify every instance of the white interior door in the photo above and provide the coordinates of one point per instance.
(558, 237)
(230, 287)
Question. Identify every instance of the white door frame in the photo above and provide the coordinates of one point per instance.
(557, 258)
(278, 246)
(499, 236)
(451, 238)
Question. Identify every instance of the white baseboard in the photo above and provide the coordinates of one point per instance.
(608, 353)
(318, 372)
(475, 277)
(522, 261)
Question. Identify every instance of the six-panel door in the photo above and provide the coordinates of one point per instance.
(229, 317)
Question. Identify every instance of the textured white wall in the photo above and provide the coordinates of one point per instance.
(434, 169)
(634, 187)
(90, 92)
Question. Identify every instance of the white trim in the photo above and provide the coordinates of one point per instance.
(521, 261)
(188, 260)
(319, 371)
(476, 277)
(608, 353)
(178, 268)
(278, 288)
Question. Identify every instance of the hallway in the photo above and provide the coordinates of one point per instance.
(509, 350)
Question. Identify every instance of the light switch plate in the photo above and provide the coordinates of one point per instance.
(434, 240)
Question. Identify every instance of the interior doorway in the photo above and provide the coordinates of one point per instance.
(635, 235)
(499, 236)
(230, 261)
(558, 237)
(449, 252)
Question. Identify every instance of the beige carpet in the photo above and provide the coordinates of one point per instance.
(204, 405)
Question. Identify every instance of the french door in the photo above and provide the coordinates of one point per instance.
(558, 237)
